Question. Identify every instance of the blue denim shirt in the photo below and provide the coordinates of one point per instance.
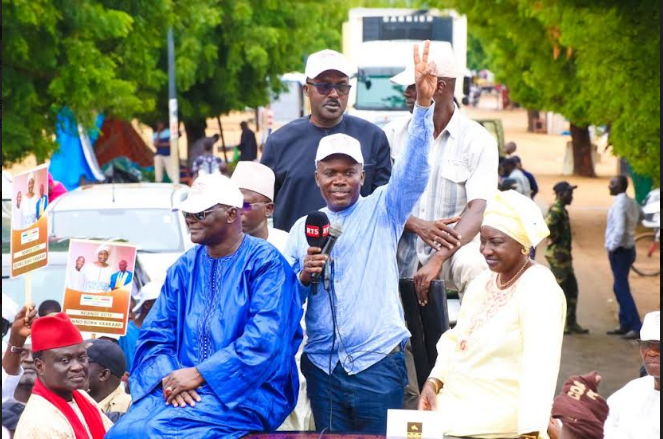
(365, 275)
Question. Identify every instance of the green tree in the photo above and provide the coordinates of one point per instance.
(106, 56)
(233, 60)
(587, 60)
(616, 49)
(476, 55)
(85, 55)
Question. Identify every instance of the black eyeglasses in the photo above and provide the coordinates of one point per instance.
(248, 207)
(200, 216)
(654, 346)
(324, 88)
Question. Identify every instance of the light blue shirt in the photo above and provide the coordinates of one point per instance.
(623, 218)
(365, 287)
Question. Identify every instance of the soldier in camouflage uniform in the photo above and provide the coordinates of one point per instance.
(559, 254)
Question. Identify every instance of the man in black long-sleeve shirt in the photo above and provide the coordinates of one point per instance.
(248, 147)
(290, 151)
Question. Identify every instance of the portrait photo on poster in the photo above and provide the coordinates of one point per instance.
(99, 285)
(29, 221)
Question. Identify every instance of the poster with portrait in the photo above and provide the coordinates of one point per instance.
(98, 285)
(29, 221)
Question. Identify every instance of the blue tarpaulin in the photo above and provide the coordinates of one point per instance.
(75, 158)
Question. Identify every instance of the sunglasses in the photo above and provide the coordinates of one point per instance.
(200, 216)
(653, 346)
(324, 88)
(248, 207)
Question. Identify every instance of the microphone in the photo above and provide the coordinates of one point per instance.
(317, 232)
(317, 229)
(335, 232)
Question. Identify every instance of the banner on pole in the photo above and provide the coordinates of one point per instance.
(99, 285)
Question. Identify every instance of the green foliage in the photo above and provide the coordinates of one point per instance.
(230, 54)
(86, 55)
(594, 61)
(108, 56)
(476, 55)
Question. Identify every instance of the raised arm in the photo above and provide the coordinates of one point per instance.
(410, 175)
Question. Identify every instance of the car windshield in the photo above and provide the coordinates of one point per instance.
(6, 224)
(376, 93)
(47, 283)
(152, 230)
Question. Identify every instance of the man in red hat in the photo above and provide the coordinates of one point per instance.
(59, 407)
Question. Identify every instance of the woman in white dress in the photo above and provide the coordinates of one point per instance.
(29, 204)
(497, 369)
(98, 274)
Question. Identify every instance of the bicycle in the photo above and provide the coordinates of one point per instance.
(648, 244)
(648, 251)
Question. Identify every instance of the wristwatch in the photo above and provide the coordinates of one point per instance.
(15, 349)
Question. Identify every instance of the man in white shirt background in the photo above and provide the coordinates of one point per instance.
(76, 278)
(464, 163)
(256, 181)
(623, 218)
(635, 410)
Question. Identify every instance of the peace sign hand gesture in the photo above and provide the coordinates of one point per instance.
(425, 78)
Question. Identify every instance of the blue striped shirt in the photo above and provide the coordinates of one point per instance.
(365, 275)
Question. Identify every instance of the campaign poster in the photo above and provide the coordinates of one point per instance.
(99, 285)
(29, 221)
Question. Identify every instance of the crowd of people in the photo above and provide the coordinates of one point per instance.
(202, 158)
(218, 347)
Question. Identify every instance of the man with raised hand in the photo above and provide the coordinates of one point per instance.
(355, 323)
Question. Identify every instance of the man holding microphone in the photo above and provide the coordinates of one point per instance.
(354, 366)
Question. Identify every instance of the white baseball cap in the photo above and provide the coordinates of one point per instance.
(208, 191)
(150, 291)
(255, 177)
(651, 328)
(445, 65)
(325, 60)
(339, 144)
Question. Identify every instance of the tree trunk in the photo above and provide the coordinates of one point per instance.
(532, 118)
(582, 152)
(223, 139)
(195, 130)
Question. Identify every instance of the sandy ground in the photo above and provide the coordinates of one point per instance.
(616, 360)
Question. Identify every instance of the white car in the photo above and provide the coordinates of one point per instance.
(6, 210)
(139, 213)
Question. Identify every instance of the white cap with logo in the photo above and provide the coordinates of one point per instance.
(150, 291)
(339, 144)
(445, 65)
(651, 328)
(325, 60)
(208, 191)
(255, 177)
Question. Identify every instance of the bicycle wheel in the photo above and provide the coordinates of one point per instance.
(648, 255)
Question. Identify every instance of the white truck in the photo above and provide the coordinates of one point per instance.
(379, 42)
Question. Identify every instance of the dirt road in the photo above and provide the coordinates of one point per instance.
(617, 360)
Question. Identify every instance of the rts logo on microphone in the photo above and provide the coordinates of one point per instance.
(317, 231)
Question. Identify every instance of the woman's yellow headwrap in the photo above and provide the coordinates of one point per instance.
(517, 216)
